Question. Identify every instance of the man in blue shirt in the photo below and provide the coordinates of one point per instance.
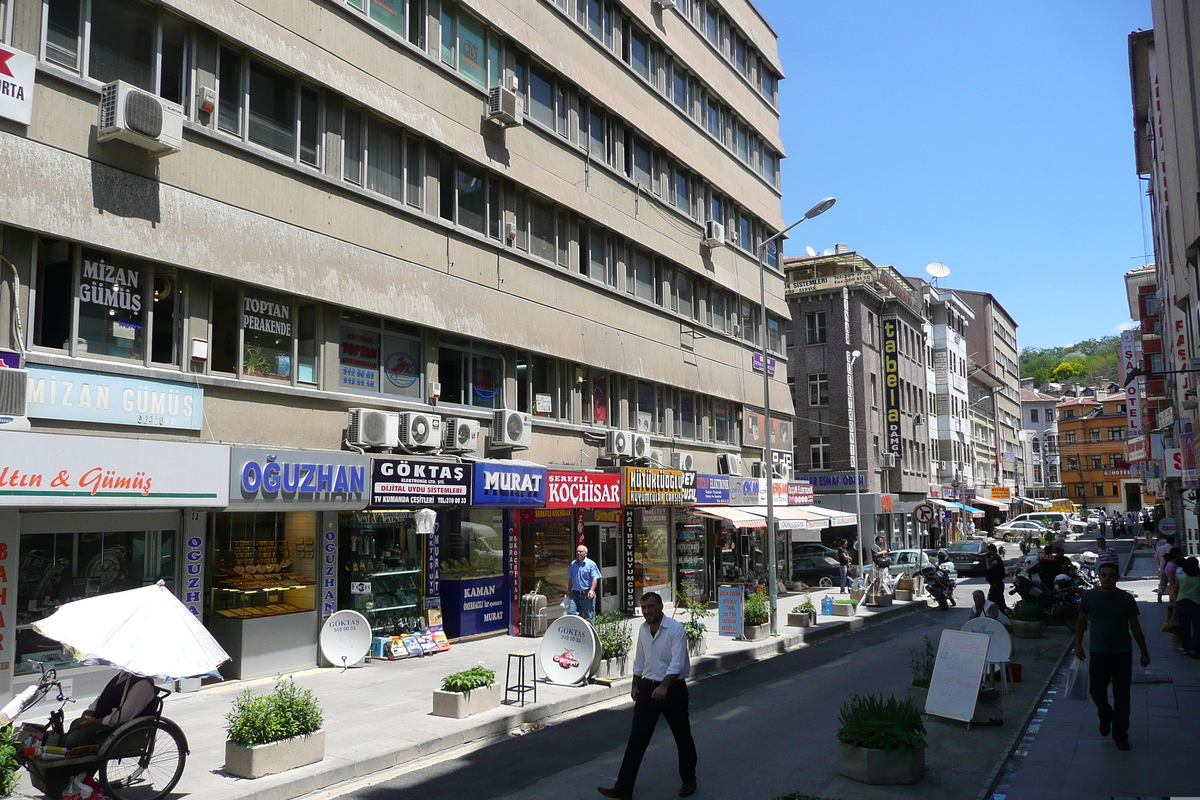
(584, 577)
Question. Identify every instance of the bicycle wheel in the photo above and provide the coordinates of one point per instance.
(143, 760)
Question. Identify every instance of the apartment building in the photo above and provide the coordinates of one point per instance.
(1091, 435)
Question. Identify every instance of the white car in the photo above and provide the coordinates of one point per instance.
(1060, 521)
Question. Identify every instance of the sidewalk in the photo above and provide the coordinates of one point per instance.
(378, 716)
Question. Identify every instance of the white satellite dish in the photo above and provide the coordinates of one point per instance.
(828, 251)
(811, 252)
(937, 269)
(345, 638)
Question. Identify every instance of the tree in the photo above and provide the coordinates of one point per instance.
(1066, 371)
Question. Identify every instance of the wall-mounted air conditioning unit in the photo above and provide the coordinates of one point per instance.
(143, 119)
(684, 461)
(758, 469)
(460, 435)
(783, 471)
(658, 458)
(504, 107)
(512, 429)
(640, 445)
(714, 234)
(729, 464)
(888, 460)
(14, 384)
(370, 427)
(618, 444)
(420, 430)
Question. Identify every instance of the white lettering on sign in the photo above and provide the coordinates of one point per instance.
(17, 71)
(267, 316)
(110, 286)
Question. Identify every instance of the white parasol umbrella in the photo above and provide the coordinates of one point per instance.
(145, 631)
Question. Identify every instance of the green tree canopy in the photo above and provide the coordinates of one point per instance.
(1066, 371)
(1092, 362)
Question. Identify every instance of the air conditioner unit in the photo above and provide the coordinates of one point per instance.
(619, 443)
(685, 461)
(370, 427)
(665, 3)
(658, 458)
(460, 435)
(729, 464)
(783, 471)
(758, 470)
(888, 459)
(714, 234)
(420, 430)
(640, 444)
(504, 107)
(14, 383)
(143, 119)
(512, 429)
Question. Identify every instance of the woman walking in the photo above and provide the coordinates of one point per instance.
(1185, 594)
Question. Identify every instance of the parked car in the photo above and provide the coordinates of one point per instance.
(816, 570)
(812, 549)
(968, 557)
(1060, 521)
(1016, 531)
(907, 562)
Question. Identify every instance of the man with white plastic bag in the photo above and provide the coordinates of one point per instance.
(1076, 686)
(1113, 615)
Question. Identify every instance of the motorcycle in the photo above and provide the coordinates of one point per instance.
(1062, 606)
(939, 584)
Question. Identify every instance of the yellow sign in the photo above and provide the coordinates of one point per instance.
(656, 487)
(1001, 493)
(1061, 505)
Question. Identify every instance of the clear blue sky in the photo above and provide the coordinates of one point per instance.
(993, 136)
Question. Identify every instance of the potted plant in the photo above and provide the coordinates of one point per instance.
(694, 627)
(616, 640)
(803, 615)
(845, 608)
(921, 661)
(471, 691)
(1027, 620)
(881, 741)
(275, 732)
(756, 617)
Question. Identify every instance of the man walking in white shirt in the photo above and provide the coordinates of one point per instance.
(660, 669)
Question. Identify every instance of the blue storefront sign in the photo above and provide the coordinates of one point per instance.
(472, 606)
(80, 396)
(712, 490)
(833, 480)
(309, 479)
(498, 483)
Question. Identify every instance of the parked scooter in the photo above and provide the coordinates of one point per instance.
(939, 584)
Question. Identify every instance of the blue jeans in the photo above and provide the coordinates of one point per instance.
(583, 606)
(845, 577)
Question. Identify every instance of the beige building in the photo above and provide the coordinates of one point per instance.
(445, 210)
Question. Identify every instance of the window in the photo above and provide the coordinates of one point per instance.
(639, 163)
(541, 229)
(542, 387)
(264, 335)
(643, 276)
(874, 391)
(541, 98)
(1069, 437)
(774, 334)
(818, 389)
(281, 114)
(470, 374)
(1037, 473)
(1097, 462)
(1049, 415)
(639, 54)
(379, 357)
(1073, 463)
(1035, 445)
(471, 50)
(1115, 462)
(1098, 490)
(819, 453)
(1116, 489)
(1033, 415)
(814, 325)
(1115, 433)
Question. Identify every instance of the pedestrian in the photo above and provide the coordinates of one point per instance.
(1113, 616)
(1171, 562)
(1133, 522)
(1050, 566)
(1103, 520)
(1185, 595)
(1165, 543)
(660, 671)
(583, 576)
(1107, 555)
(879, 561)
(984, 607)
(994, 573)
(843, 557)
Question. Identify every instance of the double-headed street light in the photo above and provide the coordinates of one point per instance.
(768, 454)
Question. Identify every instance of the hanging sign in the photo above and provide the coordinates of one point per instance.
(891, 384)
(82, 396)
(16, 85)
(499, 483)
(583, 489)
(407, 482)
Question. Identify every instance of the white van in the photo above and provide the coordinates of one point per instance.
(1060, 521)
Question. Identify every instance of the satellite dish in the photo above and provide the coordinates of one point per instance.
(828, 251)
(570, 651)
(345, 638)
(937, 269)
(811, 252)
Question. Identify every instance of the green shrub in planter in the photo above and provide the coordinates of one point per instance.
(697, 610)
(880, 724)
(1027, 611)
(8, 761)
(286, 712)
(468, 680)
(806, 607)
(616, 635)
(921, 661)
(844, 602)
(756, 610)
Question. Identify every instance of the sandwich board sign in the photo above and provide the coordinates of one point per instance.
(957, 673)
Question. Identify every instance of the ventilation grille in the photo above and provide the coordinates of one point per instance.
(13, 385)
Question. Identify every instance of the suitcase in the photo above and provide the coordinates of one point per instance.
(533, 615)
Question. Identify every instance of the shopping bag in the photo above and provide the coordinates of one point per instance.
(1076, 686)
(1170, 623)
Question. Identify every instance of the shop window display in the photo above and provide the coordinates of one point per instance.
(474, 587)
(547, 547)
(653, 570)
(57, 568)
(690, 554)
(381, 562)
(264, 564)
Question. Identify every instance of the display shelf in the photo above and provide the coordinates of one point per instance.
(381, 609)
(389, 574)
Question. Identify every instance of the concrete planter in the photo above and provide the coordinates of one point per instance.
(904, 595)
(753, 633)
(918, 695)
(268, 759)
(801, 620)
(879, 600)
(613, 668)
(856, 595)
(464, 704)
(698, 647)
(881, 767)
(1027, 629)
(844, 609)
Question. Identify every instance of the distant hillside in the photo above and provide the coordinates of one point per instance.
(1091, 362)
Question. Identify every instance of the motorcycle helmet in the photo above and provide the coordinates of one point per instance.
(1089, 558)
(943, 555)
(1061, 581)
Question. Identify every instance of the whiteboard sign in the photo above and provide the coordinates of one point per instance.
(957, 673)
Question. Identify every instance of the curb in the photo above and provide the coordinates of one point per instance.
(334, 770)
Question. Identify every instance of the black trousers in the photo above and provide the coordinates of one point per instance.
(646, 711)
(996, 593)
(1116, 668)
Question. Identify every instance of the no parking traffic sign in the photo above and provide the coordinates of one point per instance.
(924, 513)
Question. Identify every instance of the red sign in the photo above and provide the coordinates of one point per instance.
(583, 490)
(800, 493)
(885, 502)
(1137, 449)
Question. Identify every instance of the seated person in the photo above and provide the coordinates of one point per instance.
(124, 698)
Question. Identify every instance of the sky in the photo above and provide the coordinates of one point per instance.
(996, 137)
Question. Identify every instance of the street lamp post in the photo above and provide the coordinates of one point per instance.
(851, 357)
(768, 454)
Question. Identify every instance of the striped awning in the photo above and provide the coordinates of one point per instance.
(738, 517)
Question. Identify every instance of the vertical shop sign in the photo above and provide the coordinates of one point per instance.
(328, 570)
(891, 383)
(579, 528)
(433, 560)
(193, 572)
(9, 541)
(630, 556)
(514, 572)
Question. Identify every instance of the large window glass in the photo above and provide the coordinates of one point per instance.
(112, 307)
(268, 329)
(122, 43)
(643, 273)
(376, 357)
(471, 52)
(272, 109)
(472, 198)
(471, 375)
(639, 54)
(541, 229)
(390, 14)
(266, 335)
(541, 98)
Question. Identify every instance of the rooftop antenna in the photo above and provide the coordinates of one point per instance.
(937, 270)
(810, 251)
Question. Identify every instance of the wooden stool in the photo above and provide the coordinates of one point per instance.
(521, 686)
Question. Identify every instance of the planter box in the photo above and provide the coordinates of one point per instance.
(268, 759)
(753, 633)
(918, 694)
(464, 704)
(613, 668)
(881, 767)
(904, 583)
(844, 610)
(801, 620)
(698, 647)
(856, 595)
(904, 595)
(1027, 629)
(879, 600)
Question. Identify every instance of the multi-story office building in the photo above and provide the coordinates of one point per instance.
(533, 224)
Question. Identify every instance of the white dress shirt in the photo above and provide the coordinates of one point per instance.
(662, 654)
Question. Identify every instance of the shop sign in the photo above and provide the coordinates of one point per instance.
(891, 384)
(1001, 493)
(712, 490)
(729, 610)
(16, 85)
(1187, 442)
(479, 605)
(329, 538)
(513, 557)
(297, 479)
(9, 554)
(1173, 460)
(753, 431)
(433, 564)
(81, 396)
(757, 364)
(1133, 408)
(753, 492)
(401, 482)
(936, 491)
(630, 550)
(1127, 354)
(193, 575)
(267, 314)
(800, 493)
(951, 492)
(824, 481)
(501, 484)
(1166, 417)
(827, 282)
(48, 469)
(644, 486)
(689, 486)
(607, 516)
(583, 489)
(886, 503)
(1137, 448)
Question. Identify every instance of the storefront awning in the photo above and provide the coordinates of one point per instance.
(1034, 503)
(936, 503)
(738, 517)
(835, 517)
(975, 512)
(983, 501)
(789, 519)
